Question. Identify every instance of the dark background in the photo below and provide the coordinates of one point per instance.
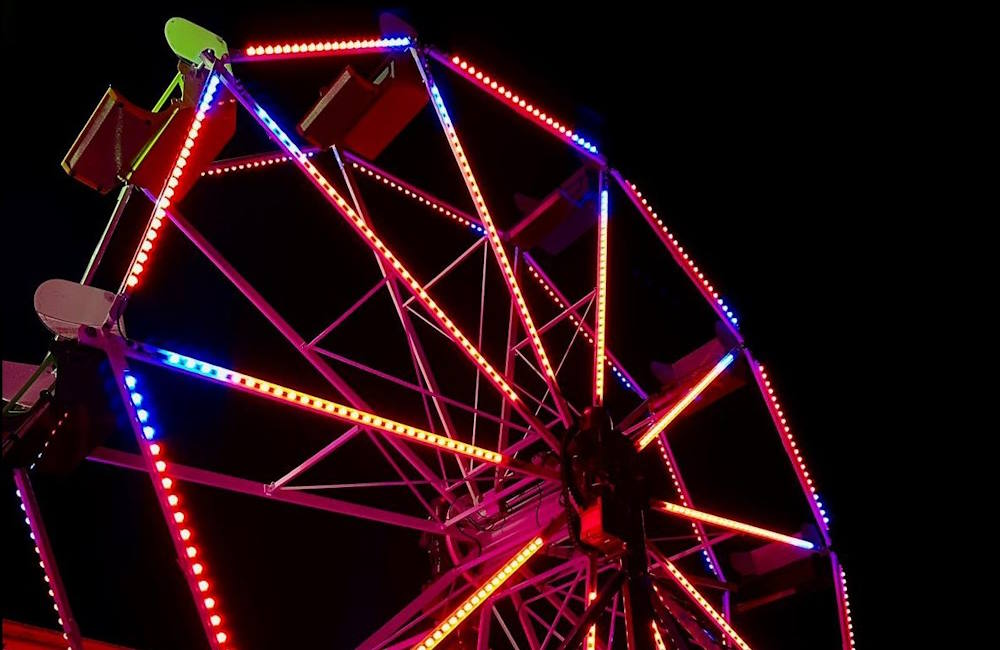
(762, 139)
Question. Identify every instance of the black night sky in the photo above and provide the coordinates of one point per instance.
(756, 136)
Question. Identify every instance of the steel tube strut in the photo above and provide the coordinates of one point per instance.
(341, 206)
(254, 488)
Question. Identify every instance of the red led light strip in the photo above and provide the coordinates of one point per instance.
(189, 556)
(408, 190)
(242, 163)
(46, 561)
(479, 596)
(843, 603)
(142, 255)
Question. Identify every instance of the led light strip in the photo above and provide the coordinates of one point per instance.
(576, 323)
(180, 526)
(848, 622)
(329, 408)
(731, 524)
(248, 162)
(702, 603)
(514, 100)
(791, 446)
(494, 236)
(677, 251)
(383, 251)
(354, 46)
(602, 299)
(660, 645)
(685, 401)
(163, 200)
(432, 204)
(712, 566)
(470, 604)
(52, 582)
(592, 632)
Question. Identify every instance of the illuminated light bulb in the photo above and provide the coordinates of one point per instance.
(161, 466)
(215, 620)
(185, 534)
(173, 500)
(179, 517)
(203, 585)
(209, 603)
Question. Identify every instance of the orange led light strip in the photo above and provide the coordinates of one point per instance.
(495, 241)
(602, 299)
(592, 632)
(705, 606)
(731, 524)
(329, 408)
(685, 401)
(660, 645)
(470, 604)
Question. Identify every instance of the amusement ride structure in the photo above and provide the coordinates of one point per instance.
(461, 358)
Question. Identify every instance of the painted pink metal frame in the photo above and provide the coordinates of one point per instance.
(396, 277)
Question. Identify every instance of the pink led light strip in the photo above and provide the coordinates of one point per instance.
(682, 258)
(142, 255)
(46, 560)
(843, 603)
(496, 243)
(242, 163)
(791, 446)
(516, 102)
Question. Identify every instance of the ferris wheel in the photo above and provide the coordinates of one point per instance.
(509, 381)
